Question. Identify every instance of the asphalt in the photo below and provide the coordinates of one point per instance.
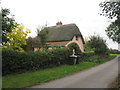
(100, 76)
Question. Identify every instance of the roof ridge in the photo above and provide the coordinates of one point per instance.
(63, 33)
(63, 25)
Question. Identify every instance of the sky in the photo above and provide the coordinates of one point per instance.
(83, 13)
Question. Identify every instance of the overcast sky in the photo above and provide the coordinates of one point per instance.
(84, 13)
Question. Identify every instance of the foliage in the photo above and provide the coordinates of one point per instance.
(1, 16)
(8, 23)
(42, 35)
(31, 43)
(16, 38)
(114, 51)
(98, 45)
(74, 46)
(40, 76)
(111, 10)
(91, 57)
(113, 32)
(17, 62)
(88, 47)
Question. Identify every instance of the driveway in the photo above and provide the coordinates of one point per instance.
(100, 76)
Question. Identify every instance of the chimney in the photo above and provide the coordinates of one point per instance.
(59, 23)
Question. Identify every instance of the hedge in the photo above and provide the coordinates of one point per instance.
(114, 51)
(76, 47)
(18, 62)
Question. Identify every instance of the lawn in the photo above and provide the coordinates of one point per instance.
(36, 77)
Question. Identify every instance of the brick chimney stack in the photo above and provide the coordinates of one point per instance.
(59, 23)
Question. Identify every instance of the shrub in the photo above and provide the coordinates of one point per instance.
(18, 62)
(114, 51)
(86, 54)
(74, 46)
(98, 45)
(92, 57)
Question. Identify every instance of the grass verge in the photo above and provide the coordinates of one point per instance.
(40, 76)
(116, 83)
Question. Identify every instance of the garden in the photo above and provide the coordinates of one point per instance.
(25, 69)
(22, 72)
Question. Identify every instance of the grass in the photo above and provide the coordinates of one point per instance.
(116, 83)
(36, 77)
(108, 58)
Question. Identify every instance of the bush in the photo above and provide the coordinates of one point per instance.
(18, 62)
(98, 45)
(86, 54)
(92, 57)
(76, 47)
(114, 51)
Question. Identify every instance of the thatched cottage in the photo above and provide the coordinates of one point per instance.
(63, 35)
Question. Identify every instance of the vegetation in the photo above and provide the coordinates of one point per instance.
(118, 86)
(8, 23)
(113, 32)
(98, 45)
(23, 69)
(116, 83)
(74, 46)
(91, 57)
(18, 62)
(112, 10)
(42, 36)
(16, 38)
(40, 76)
(114, 51)
(31, 44)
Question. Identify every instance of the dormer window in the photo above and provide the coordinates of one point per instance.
(76, 37)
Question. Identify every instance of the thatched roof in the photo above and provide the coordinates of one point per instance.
(58, 43)
(63, 33)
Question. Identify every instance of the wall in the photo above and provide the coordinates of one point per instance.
(79, 42)
(62, 43)
(66, 43)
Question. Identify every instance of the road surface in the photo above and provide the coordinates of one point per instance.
(100, 76)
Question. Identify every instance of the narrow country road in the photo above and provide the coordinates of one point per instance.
(100, 76)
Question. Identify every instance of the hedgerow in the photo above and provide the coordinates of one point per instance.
(18, 62)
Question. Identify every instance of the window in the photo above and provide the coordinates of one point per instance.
(76, 37)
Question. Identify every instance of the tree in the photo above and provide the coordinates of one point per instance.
(112, 10)
(16, 38)
(87, 46)
(98, 45)
(0, 28)
(42, 36)
(113, 32)
(7, 24)
(31, 43)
